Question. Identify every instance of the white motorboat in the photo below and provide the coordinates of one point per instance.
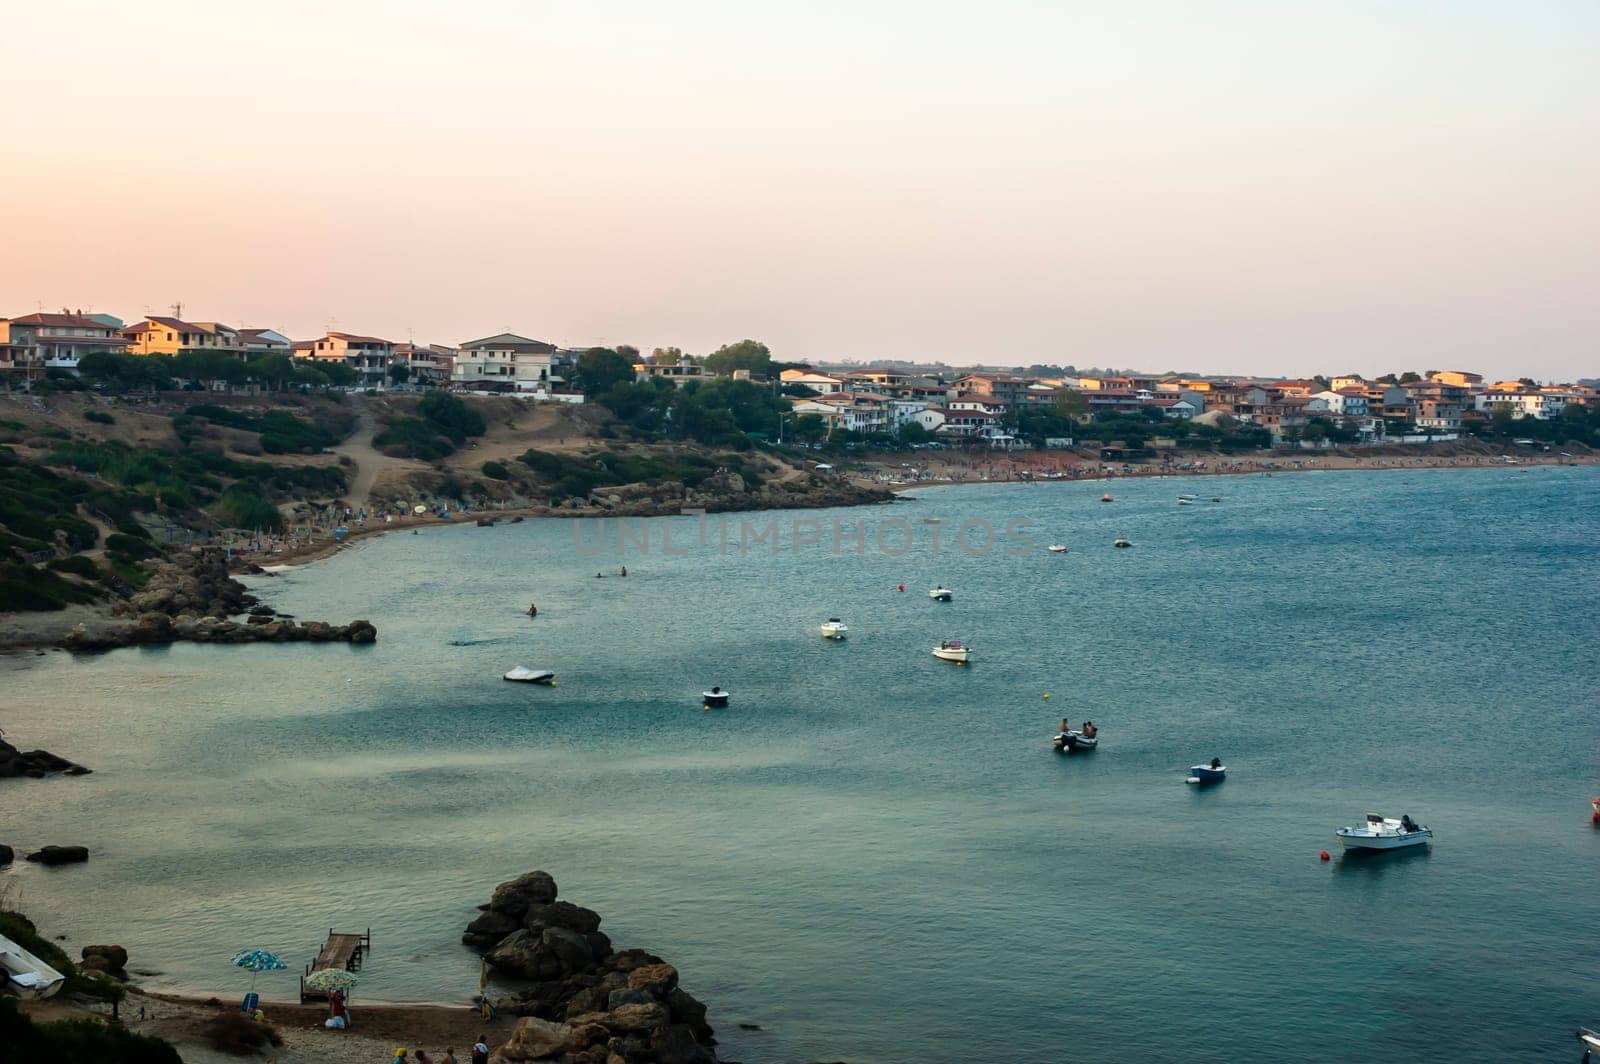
(1215, 772)
(834, 629)
(953, 650)
(716, 698)
(1383, 833)
(523, 674)
(1590, 1040)
(1057, 548)
(1120, 542)
(1074, 742)
(940, 594)
(26, 975)
(1187, 498)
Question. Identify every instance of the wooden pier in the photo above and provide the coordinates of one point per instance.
(341, 950)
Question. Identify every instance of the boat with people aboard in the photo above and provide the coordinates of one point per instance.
(716, 698)
(523, 674)
(1106, 497)
(1070, 740)
(1384, 833)
(1215, 772)
(834, 628)
(953, 650)
(27, 976)
(940, 594)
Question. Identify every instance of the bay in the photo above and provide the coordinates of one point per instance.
(871, 854)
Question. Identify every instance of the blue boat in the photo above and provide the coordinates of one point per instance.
(1215, 772)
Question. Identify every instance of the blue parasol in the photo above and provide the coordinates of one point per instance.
(256, 961)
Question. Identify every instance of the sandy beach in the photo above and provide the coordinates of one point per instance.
(378, 1029)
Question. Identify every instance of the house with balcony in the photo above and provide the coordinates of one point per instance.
(1537, 404)
(33, 343)
(1177, 409)
(505, 362)
(160, 335)
(369, 356)
(1012, 391)
(973, 401)
(430, 364)
(1345, 402)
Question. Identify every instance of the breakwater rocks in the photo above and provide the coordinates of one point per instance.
(191, 598)
(582, 1002)
(34, 764)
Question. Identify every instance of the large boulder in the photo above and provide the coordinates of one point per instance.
(362, 632)
(636, 1017)
(59, 855)
(7, 855)
(687, 1009)
(522, 955)
(514, 896)
(571, 948)
(115, 956)
(599, 945)
(629, 959)
(488, 928)
(629, 996)
(654, 979)
(536, 1039)
(561, 914)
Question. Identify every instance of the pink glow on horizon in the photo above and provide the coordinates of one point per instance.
(1217, 187)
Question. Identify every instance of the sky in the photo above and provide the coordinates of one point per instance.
(1196, 185)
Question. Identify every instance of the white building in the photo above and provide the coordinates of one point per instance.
(505, 362)
(817, 382)
(1539, 405)
(1346, 402)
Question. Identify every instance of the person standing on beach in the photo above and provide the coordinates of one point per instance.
(480, 1051)
(449, 1056)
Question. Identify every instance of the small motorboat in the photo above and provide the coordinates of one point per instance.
(1075, 742)
(26, 975)
(1187, 498)
(716, 698)
(1183, 502)
(1215, 772)
(1590, 1040)
(1120, 542)
(1384, 833)
(1106, 497)
(523, 674)
(1057, 548)
(953, 650)
(940, 594)
(834, 629)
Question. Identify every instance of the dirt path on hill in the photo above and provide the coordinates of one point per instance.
(370, 462)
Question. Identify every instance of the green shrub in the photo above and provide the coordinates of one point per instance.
(452, 417)
(27, 587)
(496, 471)
(78, 565)
(242, 507)
(130, 546)
(236, 1034)
(100, 417)
(415, 438)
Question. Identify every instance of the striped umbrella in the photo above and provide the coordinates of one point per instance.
(326, 979)
(256, 961)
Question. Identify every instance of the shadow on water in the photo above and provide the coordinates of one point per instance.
(1377, 862)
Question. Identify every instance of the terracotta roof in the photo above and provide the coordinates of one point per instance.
(75, 320)
(355, 339)
(176, 323)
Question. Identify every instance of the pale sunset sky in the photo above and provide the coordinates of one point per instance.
(1241, 186)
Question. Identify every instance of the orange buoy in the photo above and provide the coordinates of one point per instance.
(902, 587)
(1324, 855)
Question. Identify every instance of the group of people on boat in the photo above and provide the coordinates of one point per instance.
(1088, 731)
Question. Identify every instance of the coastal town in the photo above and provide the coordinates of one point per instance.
(894, 402)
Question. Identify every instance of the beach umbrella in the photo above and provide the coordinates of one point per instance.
(256, 961)
(326, 979)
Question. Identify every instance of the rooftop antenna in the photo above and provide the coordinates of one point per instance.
(177, 310)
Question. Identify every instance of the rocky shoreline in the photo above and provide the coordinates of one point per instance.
(580, 1001)
(191, 597)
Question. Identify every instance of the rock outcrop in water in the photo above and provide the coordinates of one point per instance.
(34, 764)
(582, 1002)
(191, 598)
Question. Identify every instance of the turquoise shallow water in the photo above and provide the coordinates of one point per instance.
(873, 855)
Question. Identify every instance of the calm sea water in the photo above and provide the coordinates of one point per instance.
(876, 856)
